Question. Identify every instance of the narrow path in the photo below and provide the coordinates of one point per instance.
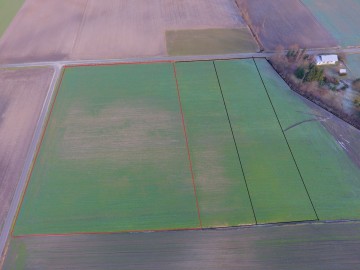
(28, 162)
(159, 59)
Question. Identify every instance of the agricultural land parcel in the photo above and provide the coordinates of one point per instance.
(113, 156)
(127, 28)
(8, 10)
(210, 41)
(22, 94)
(116, 137)
(285, 23)
(307, 246)
(340, 18)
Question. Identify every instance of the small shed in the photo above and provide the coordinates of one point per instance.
(342, 71)
(326, 59)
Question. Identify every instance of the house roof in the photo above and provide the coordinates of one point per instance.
(329, 58)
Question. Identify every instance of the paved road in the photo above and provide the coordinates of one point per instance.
(355, 50)
(28, 162)
(57, 70)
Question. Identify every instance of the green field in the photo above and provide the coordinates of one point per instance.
(210, 41)
(114, 156)
(221, 189)
(274, 183)
(8, 10)
(333, 180)
(340, 17)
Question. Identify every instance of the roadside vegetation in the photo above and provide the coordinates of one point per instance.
(321, 84)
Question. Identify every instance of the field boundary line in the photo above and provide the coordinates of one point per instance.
(220, 228)
(287, 142)
(236, 147)
(39, 143)
(187, 144)
(106, 233)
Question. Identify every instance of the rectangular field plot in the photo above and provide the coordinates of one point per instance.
(308, 246)
(210, 41)
(275, 185)
(114, 156)
(320, 143)
(223, 198)
(340, 17)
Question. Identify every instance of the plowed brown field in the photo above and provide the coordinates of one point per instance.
(285, 23)
(92, 29)
(22, 93)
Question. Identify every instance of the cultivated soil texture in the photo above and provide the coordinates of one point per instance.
(22, 93)
(340, 18)
(91, 29)
(284, 23)
(308, 246)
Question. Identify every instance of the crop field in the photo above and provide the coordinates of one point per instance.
(210, 41)
(223, 198)
(114, 156)
(8, 9)
(285, 23)
(22, 94)
(275, 185)
(187, 145)
(308, 246)
(340, 18)
(325, 148)
(127, 28)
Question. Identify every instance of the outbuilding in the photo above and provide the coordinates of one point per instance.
(326, 59)
(342, 71)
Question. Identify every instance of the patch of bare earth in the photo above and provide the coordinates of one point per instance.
(22, 93)
(122, 133)
(92, 29)
(284, 23)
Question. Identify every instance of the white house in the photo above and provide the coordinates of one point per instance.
(326, 59)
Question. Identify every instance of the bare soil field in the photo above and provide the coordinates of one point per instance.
(22, 93)
(308, 246)
(90, 29)
(290, 24)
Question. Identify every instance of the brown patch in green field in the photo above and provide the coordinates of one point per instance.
(115, 130)
(210, 41)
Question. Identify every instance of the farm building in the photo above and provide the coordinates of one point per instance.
(342, 71)
(330, 59)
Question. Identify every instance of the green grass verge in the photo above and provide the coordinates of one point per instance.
(340, 18)
(114, 156)
(221, 189)
(276, 188)
(8, 10)
(210, 41)
(331, 177)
